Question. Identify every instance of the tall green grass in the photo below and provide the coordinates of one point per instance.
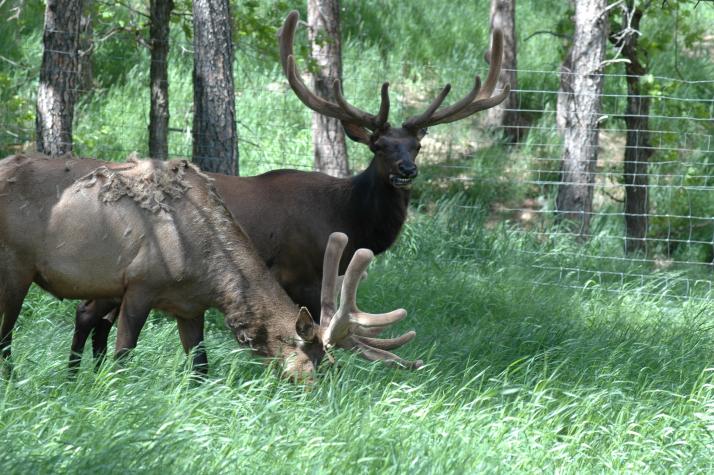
(519, 378)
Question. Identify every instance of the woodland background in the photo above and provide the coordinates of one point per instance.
(551, 344)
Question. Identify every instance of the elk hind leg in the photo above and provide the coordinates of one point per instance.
(88, 319)
(100, 337)
(191, 335)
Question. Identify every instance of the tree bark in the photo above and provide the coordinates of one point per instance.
(503, 16)
(214, 123)
(59, 76)
(566, 83)
(575, 194)
(86, 47)
(637, 144)
(328, 135)
(565, 91)
(159, 77)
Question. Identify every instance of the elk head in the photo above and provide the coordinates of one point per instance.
(394, 148)
(343, 326)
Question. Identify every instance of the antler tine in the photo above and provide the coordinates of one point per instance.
(372, 122)
(331, 264)
(456, 106)
(314, 102)
(359, 263)
(477, 99)
(496, 59)
(387, 343)
(484, 99)
(342, 111)
(383, 113)
(286, 36)
(376, 354)
(369, 320)
(417, 121)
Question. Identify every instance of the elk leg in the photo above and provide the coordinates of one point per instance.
(10, 306)
(100, 337)
(191, 335)
(9, 311)
(88, 319)
(134, 310)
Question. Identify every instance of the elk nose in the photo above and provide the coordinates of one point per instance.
(408, 169)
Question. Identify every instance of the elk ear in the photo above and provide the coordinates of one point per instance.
(356, 132)
(304, 325)
(421, 133)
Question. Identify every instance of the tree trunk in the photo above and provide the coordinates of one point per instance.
(566, 82)
(637, 145)
(159, 78)
(328, 136)
(503, 16)
(58, 77)
(565, 91)
(86, 47)
(214, 123)
(575, 194)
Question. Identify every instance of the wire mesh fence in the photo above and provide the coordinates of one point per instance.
(516, 183)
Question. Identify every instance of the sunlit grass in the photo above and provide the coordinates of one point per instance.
(519, 378)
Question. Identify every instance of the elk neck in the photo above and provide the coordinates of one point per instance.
(378, 210)
(256, 308)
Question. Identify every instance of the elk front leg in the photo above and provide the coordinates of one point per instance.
(135, 308)
(13, 289)
(191, 335)
(10, 307)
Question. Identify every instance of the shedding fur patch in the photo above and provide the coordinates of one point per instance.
(149, 183)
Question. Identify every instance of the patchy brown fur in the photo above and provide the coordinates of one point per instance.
(150, 192)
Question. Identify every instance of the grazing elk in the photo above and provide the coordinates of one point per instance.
(289, 214)
(157, 235)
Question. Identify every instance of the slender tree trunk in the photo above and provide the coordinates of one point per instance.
(575, 194)
(159, 78)
(566, 82)
(503, 16)
(214, 120)
(328, 136)
(637, 145)
(565, 91)
(59, 75)
(86, 47)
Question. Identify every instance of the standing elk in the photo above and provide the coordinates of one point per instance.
(157, 235)
(289, 214)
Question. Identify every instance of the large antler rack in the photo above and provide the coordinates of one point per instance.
(348, 327)
(343, 110)
(477, 100)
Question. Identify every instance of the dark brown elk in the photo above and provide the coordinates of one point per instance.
(289, 214)
(157, 235)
